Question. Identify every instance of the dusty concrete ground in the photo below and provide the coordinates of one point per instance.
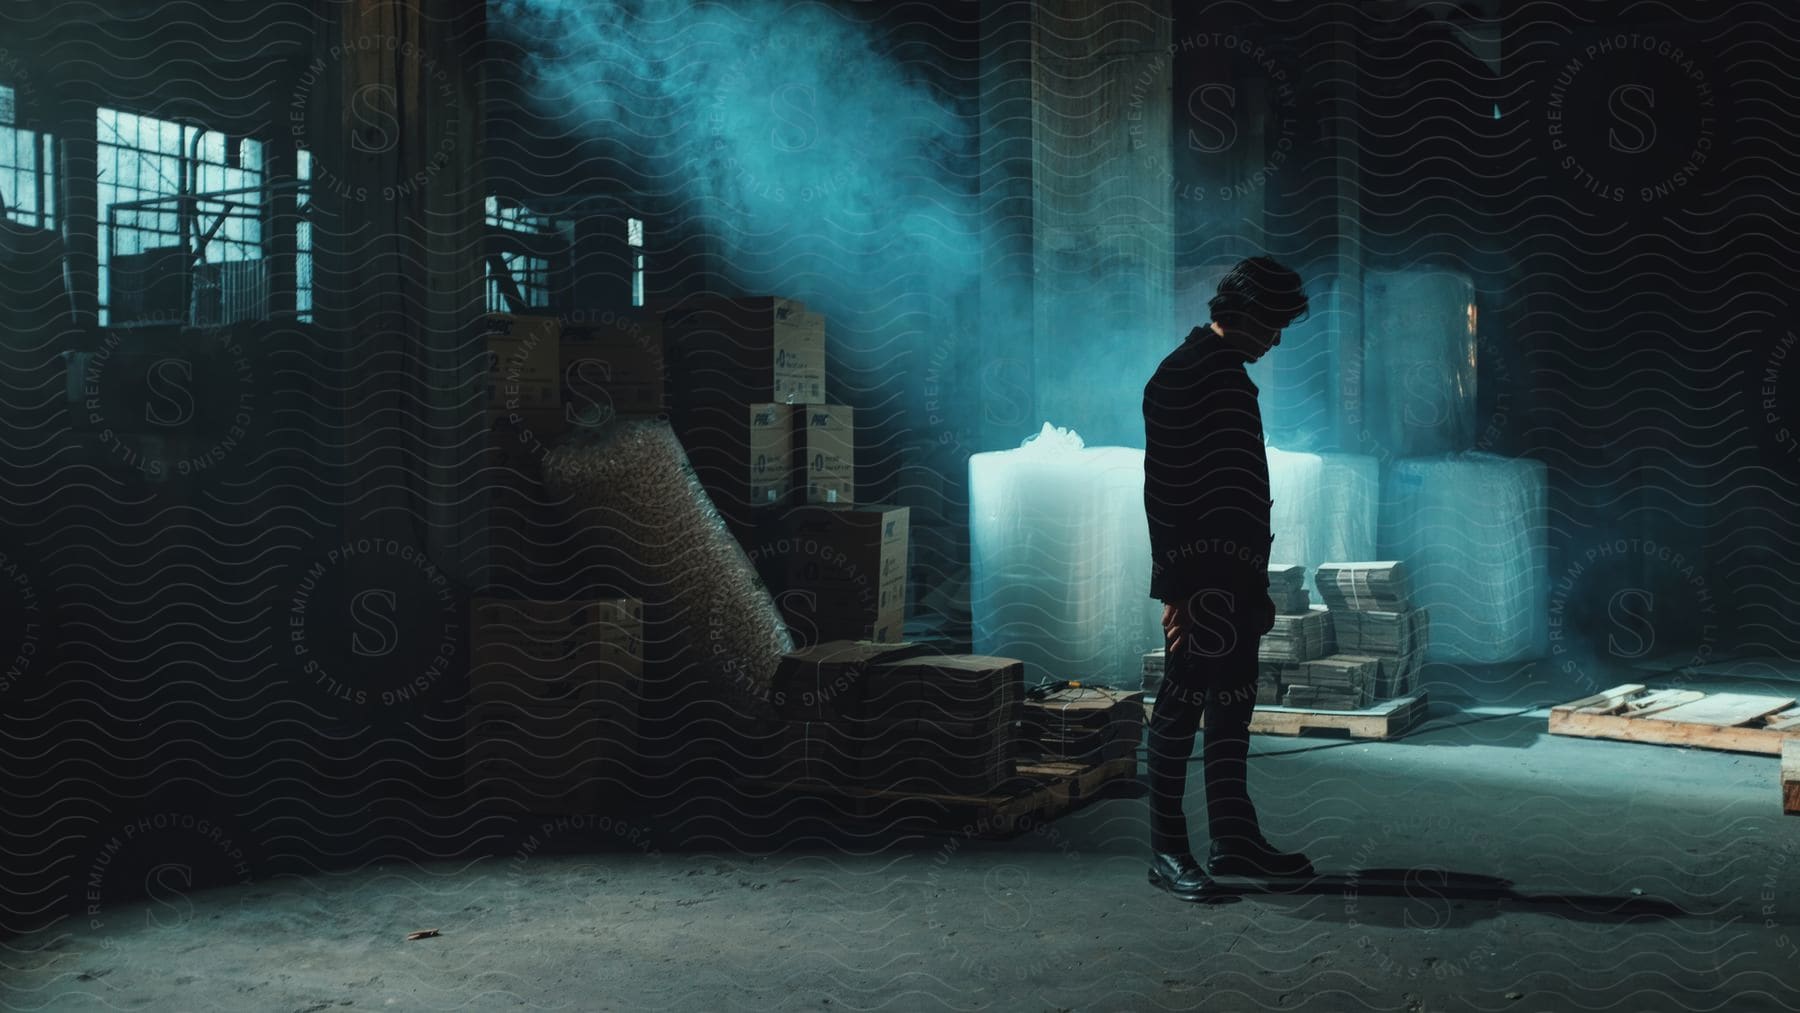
(1545, 874)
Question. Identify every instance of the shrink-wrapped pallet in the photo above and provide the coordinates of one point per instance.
(1471, 528)
(1419, 360)
(1061, 559)
(1322, 507)
(1061, 548)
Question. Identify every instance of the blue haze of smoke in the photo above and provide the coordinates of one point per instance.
(831, 173)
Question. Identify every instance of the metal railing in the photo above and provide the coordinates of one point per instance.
(199, 259)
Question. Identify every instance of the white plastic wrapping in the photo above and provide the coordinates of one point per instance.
(1419, 360)
(1322, 508)
(1061, 560)
(1471, 529)
(1061, 548)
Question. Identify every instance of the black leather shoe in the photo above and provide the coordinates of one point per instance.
(1257, 858)
(1179, 874)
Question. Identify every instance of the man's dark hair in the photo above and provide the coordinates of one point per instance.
(1261, 288)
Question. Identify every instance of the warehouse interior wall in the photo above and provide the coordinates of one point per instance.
(929, 182)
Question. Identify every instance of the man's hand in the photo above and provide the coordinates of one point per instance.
(1180, 619)
(1203, 621)
(1172, 626)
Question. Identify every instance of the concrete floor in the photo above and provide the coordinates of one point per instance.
(1545, 874)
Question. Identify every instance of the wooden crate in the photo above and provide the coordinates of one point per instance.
(1735, 722)
(1386, 720)
(1790, 776)
(1044, 792)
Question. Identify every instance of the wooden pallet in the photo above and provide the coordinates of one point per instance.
(1790, 776)
(1386, 720)
(1048, 792)
(1736, 722)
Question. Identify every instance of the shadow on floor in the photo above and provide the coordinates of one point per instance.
(1431, 898)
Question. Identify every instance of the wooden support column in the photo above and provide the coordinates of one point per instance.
(390, 106)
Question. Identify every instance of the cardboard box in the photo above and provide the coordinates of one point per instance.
(831, 680)
(526, 397)
(942, 758)
(844, 548)
(822, 751)
(533, 653)
(842, 571)
(520, 439)
(949, 687)
(825, 439)
(1085, 724)
(523, 348)
(524, 370)
(520, 519)
(612, 366)
(928, 757)
(821, 616)
(742, 454)
(550, 738)
(747, 349)
(550, 758)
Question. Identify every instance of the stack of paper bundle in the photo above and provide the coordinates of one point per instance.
(1375, 586)
(1287, 587)
(1339, 682)
(1295, 637)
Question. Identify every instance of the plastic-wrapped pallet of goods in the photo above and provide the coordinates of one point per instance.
(1419, 376)
(1153, 672)
(1061, 547)
(630, 484)
(1061, 560)
(1322, 507)
(1471, 528)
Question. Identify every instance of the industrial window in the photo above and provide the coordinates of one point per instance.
(147, 166)
(526, 273)
(634, 237)
(303, 237)
(27, 168)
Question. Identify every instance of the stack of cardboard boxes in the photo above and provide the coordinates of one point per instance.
(582, 370)
(555, 686)
(554, 691)
(893, 716)
(839, 573)
(545, 376)
(749, 381)
(611, 366)
(523, 416)
(1085, 725)
(779, 462)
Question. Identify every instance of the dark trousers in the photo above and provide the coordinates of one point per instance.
(1222, 690)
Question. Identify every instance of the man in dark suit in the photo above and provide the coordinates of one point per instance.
(1206, 494)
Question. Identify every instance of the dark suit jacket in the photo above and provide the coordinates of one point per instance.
(1206, 473)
